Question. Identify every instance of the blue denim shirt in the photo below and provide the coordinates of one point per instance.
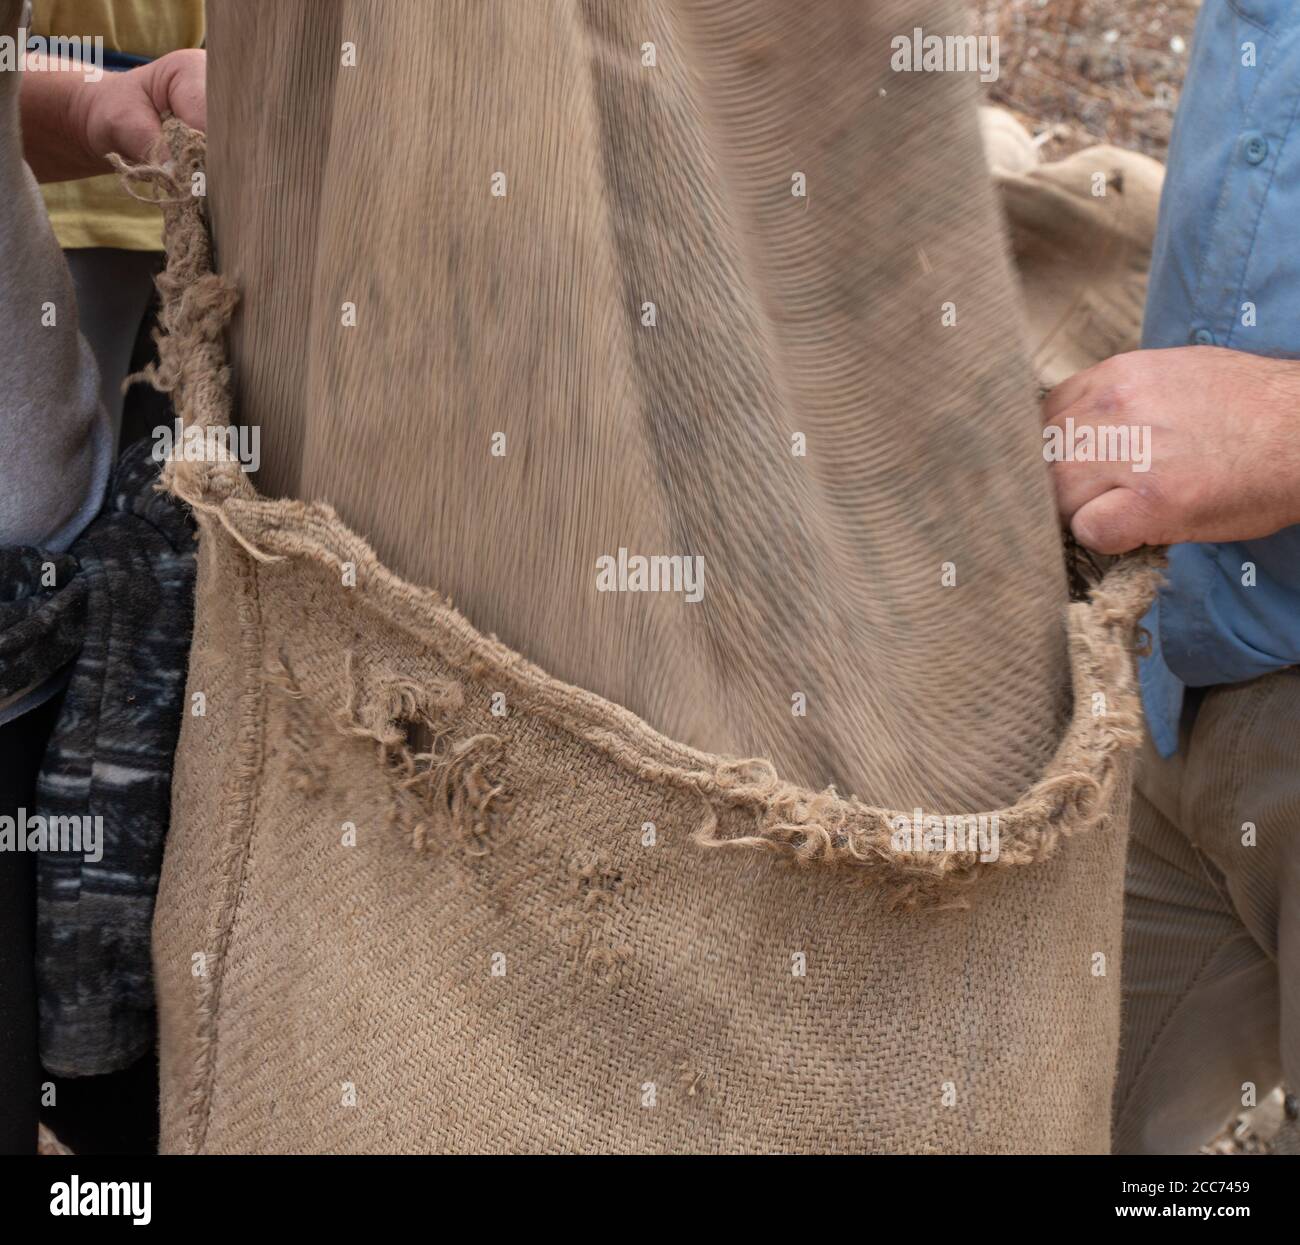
(1227, 245)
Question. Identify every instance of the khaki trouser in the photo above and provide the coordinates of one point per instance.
(1212, 924)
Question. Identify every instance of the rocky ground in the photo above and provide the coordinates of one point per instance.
(1089, 71)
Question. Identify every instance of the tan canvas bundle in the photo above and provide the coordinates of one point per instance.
(1082, 258)
(420, 896)
(1081, 232)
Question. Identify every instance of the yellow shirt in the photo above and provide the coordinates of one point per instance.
(96, 211)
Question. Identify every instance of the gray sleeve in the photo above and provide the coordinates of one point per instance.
(55, 437)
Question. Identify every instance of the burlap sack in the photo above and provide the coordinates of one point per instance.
(420, 896)
(1081, 232)
(1008, 147)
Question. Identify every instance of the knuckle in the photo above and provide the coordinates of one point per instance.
(1114, 398)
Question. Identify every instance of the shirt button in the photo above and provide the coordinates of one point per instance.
(1202, 337)
(1256, 149)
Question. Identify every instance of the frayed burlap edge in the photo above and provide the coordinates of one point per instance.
(1078, 789)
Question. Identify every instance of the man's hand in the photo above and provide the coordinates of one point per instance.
(71, 124)
(123, 111)
(1223, 431)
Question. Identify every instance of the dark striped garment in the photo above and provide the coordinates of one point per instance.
(131, 588)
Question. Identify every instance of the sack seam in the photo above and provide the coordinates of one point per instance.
(240, 800)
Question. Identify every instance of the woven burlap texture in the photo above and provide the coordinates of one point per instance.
(392, 918)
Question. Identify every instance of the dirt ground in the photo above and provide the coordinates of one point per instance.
(1090, 71)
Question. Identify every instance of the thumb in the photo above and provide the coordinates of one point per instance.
(1113, 522)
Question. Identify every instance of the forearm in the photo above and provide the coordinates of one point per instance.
(54, 99)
